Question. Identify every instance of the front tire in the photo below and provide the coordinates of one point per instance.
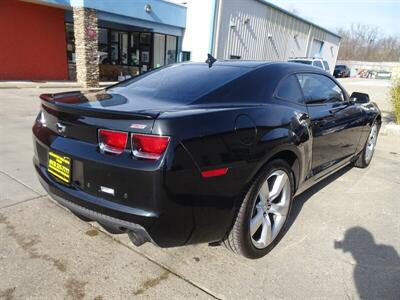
(264, 212)
(365, 157)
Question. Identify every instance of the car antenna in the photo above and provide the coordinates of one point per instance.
(210, 60)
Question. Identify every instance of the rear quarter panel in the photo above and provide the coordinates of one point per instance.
(240, 138)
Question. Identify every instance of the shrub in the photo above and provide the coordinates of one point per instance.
(395, 97)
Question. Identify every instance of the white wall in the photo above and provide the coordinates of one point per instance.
(199, 21)
(330, 48)
(252, 30)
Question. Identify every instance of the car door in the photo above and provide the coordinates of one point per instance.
(336, 122)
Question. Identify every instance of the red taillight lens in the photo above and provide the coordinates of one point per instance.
(214, 173)
(149, 146)
(112, 141)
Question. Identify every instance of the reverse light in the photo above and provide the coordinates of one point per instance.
(112, 141)
(214, 173)
(41, 118)
(149, 146)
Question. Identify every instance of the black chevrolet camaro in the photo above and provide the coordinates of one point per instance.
(201, 152)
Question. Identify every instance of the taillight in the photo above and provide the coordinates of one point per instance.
(149, 146)
(112, 141)
(214, 173)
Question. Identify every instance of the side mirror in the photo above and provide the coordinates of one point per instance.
(359, 97)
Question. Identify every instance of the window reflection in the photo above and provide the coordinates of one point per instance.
(145, 50)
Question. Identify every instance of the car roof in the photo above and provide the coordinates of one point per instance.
(236, 63)
(273, 66)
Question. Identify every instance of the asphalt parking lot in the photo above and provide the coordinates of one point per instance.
(343, 242)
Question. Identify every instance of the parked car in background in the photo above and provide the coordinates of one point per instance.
(312, 61)
(341, 71)
(201, 152)
(382, 74)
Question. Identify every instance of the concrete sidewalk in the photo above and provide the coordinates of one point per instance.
(343, 241)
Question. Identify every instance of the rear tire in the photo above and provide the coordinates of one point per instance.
(264, 212)
(367, 153)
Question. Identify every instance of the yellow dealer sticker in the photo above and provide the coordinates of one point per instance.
(59, 166)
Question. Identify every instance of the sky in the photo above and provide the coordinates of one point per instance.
(332, 14)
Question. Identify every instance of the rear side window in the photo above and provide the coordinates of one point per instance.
(317, 63)
(181, 84)
(305, 62)
(320, 89)
(288, 89)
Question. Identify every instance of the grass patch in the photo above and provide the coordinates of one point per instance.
(395, 97)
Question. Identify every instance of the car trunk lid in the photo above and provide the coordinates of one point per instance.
(80, 115)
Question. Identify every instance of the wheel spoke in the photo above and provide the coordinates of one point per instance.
(269, 215)
(266, 233)
(256, 221)
(279, 183)
(279, 209)
(264, 192)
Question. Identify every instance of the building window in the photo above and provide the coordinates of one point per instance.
(103, 46)
(145, 50)
(114, 47)
(145, 38)
(69, 32)
(235, 57)
(134, 49)
(186, 55)
(124, 47)
(171, 49)
(158, 50)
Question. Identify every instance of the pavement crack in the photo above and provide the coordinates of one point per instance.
(20, 182)
(20, 202)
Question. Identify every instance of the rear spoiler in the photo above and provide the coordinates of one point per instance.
(68, 105)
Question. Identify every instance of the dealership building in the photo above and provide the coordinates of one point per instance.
(254, 30)
(100, 40)
(87, 40)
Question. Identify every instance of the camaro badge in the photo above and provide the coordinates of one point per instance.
(61, 128)
(138, 126)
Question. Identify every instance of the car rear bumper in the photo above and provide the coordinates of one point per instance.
(148, 211)
(167, 203)
(103, 219)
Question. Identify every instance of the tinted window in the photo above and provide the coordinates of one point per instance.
(289, 89)
(181, 84)
(320, 88)
(318, 64)
(326, 65)
(305, 62)
(340, 67)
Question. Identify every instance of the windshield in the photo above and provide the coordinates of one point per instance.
(180, 84)
(306, 62)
